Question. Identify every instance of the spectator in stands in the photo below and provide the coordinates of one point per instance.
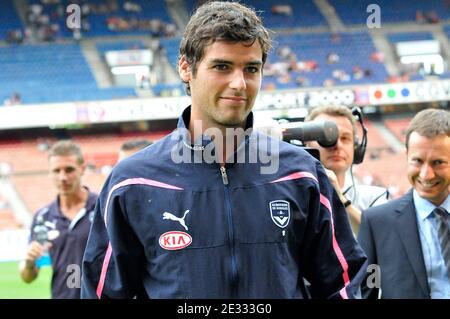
(432, 17)
(335, 37)
(338, 161)
(252, 234)
(377, 57)
(51, 2)
(368, 73)
(5, 169)
(332, 58)
(130, 6)
(14, 36)
(43, 144)
(269, 86)
(328, 82)
(282, 9)
(68, 220)
(4, 204)
(420, 17)
(170, 30)
(14, 99)
(284, 78)
(409, 237)
(357, 72)
(284, 52)
(341, 75)
(132, 146)
(302, 81)
(143, 81)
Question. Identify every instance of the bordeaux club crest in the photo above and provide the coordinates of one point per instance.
(280, 212)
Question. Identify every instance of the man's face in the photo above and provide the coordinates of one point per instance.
(66, 174)
(429, 166)
(339, 157)
(226, 84)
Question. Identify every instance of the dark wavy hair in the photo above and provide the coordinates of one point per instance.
(221, 21)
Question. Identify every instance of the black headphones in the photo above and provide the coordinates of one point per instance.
(360, 149)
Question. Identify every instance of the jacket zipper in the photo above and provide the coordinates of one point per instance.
(234, 271)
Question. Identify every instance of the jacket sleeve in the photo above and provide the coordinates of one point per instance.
(333, 261)
(113, 257)
(366, 239)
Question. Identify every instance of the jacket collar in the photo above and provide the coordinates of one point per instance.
(406, 225)
(204, 140)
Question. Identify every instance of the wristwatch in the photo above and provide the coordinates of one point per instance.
(347, 203)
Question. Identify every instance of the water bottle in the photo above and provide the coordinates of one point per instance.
(40, 234)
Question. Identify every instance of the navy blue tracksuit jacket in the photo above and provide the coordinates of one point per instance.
(169, 229)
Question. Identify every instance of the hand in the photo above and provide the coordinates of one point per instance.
(35, 251)
(334, 182)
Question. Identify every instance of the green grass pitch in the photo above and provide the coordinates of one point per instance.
(12, 287)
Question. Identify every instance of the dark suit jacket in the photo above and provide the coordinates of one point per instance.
(390, 237)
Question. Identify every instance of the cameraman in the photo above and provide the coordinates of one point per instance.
(338, 162)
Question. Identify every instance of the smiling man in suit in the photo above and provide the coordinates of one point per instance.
(409, 238)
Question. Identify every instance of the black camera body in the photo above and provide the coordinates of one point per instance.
(326, 133)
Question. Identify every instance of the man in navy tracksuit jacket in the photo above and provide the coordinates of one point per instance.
(171, 223)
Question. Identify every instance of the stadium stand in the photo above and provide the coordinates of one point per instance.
(393, 11)
(104, 47)
(398, 127)
(282, 14)
(103, 151)
(51, 73)
(42, 61)
(322, 59)
(304, 60)
(387, 170)
(107, 18)
(171, 48)
(306, 54)
(10, 23)
(37, 190)
(447, 30)
(18, 154)
(30, 177)
(375, 139)
(409, 36)
(7, 220)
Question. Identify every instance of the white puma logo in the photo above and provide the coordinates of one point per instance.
(170, 216)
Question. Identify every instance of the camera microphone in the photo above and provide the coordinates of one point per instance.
(326, 133)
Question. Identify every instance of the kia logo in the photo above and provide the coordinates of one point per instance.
(174, 240)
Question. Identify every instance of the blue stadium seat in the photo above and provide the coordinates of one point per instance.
(51, 73)
(97, 21)
(9, 19)
(171, 46)
(409, 36)
(103, 47)
(304, 13)
(353, 49)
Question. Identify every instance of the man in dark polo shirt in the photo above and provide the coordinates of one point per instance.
(67, 221)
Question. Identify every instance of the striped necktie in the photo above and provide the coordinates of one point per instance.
(444, 235)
